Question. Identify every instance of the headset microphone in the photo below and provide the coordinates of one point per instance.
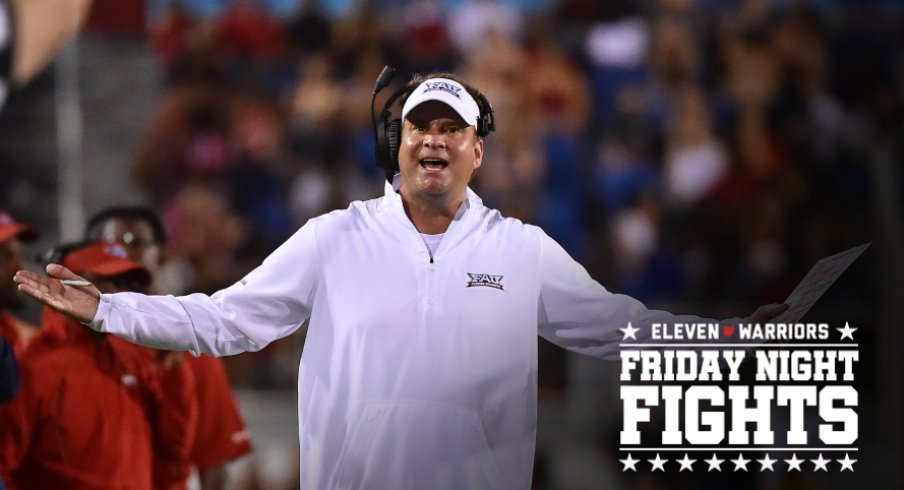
(384, 79)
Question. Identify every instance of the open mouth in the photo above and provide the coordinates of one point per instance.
(434, 164)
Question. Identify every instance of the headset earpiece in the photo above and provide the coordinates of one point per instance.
(486, 122)
(381, 149)
(388, 133)
(393, 138)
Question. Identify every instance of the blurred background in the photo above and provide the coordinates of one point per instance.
(700, 155)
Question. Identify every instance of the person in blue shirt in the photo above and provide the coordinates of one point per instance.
(9, 373)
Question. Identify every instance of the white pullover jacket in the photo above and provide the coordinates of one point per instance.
(418, 372)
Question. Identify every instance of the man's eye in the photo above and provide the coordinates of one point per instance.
(453, 129)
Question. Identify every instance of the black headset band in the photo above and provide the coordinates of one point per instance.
(401, 92)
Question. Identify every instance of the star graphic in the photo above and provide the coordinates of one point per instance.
(847, 331)
(658, 463)
(686, 463)
(794, 463)
(847, 463)
(820, 462)
(629, 462)
(629, 331)
(740, 462)
(766, 462)
(714, 463)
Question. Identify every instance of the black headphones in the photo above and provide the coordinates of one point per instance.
(387, 132)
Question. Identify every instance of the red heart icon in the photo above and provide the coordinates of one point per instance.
(728, 331)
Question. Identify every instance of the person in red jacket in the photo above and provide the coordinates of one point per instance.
(89, 414)
(12, 236)
(13, 331)
(221, 435)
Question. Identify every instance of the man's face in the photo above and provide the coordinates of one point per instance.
(138, 238)
(438, 152)
(10, 262)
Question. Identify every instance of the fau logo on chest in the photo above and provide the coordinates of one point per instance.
(488, 280)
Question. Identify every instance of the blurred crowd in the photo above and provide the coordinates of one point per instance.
(691, 150)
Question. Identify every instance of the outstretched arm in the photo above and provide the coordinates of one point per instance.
(579, 314)
(269, 303)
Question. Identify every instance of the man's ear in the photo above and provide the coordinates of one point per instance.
(478, 153)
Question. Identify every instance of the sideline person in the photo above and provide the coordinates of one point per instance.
(220, 435)
(14, 333)
(420, 363)
(93, 408)
(13, 330)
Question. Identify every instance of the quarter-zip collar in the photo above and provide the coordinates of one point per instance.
(464, 221)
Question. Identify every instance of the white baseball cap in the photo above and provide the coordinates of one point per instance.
(447, 91)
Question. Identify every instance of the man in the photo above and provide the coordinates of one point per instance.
(90, 409)
(420, 363)
(220, 433)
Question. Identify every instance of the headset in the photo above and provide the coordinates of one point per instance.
(388, 132)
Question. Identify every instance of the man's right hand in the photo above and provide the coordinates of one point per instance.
(78, 302)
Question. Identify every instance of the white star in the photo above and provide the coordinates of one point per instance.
(714, 463)
(821, 463)
(629, 462)
(794, 463)
(847, 462)
(629, 332)
(686, 463)
(766, 462)
(658, 462)
(847, 331)
(740, 462)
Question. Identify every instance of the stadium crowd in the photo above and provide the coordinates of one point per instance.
(638, 134)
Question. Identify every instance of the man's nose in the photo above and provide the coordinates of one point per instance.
(434, 140)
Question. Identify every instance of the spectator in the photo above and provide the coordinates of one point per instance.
(221, 435)
(90, 414)
(12, 234)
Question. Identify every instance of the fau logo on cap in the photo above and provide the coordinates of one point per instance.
(488, 280)
(444, 86)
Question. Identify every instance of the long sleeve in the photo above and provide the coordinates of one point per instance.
(271, 302)
(579, 314)
(9, 372)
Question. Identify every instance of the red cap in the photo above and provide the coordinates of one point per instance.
(104, 260)
(10, 229)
